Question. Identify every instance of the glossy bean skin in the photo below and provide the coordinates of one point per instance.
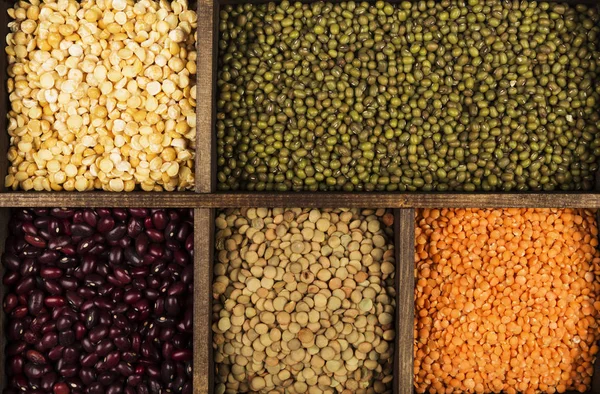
(91, 304)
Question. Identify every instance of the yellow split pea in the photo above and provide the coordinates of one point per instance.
(102, 95)
(303, 302)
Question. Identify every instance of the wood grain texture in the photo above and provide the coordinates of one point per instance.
(203, 263)
(404, 233)
(308, 200)
(206, 161)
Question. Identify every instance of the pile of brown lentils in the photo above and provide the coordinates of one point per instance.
(304, 301)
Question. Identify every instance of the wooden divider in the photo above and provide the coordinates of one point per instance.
(204, 220)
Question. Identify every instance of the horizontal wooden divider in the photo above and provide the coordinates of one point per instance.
(300, 199)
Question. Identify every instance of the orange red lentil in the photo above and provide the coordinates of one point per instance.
(506, 300)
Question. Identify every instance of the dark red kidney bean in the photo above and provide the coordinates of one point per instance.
(130, 357)
(155, 235)
(122, 343)
(75, 384)
(103, 212)
(104, 347)
(85, 245)
(71, 354)
(20, 382)
(93, 280)
(88, 346)
(187, 274)
(35, 357)
(70, 283)
(124, 242)
(105, 224)
(166, 334)
(48, 381)
(181, 257)
(139, 272)
(134, 380)
(143, 389)
(124, 369)
(98, 333)
(141, 244)
(59, 242)
(56, 352)
(52, 287)
(173, 245)
(10, 302)
(116, 233)
(141, 213)
(170, 231)
(15, 365)
(120, 308)
(16, 328)
(103, 303)
(54, 227)
(115, 256)
(35, 240)
(153, 282)
(87, 293)
(160, 219)
(24, 286)
(75, 301)
(132, 257)
(69, 250)
(64, 322)
(90, 217)
(66, 338)
(33, 371)
(19, 312)
(89, 360)
(35, 302)
(98, 249)
(189, 243)
(122, 275)
(112, 359)
(183, 231)
(77, 217)
(49, 327)
(134, 227)
(45, 235)
(149, 259)
(28, 227)
(62, 213)
(176, 289)
(55, 301)
(153, 371)
(115, 332)
(88, 376)
(187, 388)
(178, 383)
(156, 250)
(51, 272)
(129, 390)
(80, 331)
(107, 378)
(15, 348)
(120, 214)
(11, 262)
(88, 264)
(159, 306)
(68, 371)
(114, 389)
(151, 294)
(167, 350)
(158, 267)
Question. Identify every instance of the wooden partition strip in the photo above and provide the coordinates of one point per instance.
(206, 174)
(4, 218)
(306, 200)
(203, 263)
(404, 233)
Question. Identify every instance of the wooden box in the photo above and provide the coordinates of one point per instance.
(205, 200)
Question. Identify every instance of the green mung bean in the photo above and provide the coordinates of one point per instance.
(424, 95)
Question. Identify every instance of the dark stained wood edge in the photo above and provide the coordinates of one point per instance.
(203, 262)
(404, 234)
(308, 200)
(206, 162)
(4, 217)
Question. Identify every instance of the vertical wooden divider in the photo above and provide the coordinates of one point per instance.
(203, 382)
(206, 66)
(404, 233)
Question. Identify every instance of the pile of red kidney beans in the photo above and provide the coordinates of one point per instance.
(99, 301)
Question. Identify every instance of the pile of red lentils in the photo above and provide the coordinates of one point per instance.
(506, 300)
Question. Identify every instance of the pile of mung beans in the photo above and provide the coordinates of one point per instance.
(304, 301)
(506, 300)
(102, 95)
(449, 95)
